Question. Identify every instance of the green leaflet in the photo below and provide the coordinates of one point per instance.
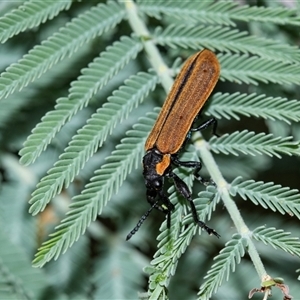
(65, 42)
(93, 79)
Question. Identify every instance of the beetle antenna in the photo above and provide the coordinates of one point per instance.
(141, 221)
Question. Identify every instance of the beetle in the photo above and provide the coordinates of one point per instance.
(173, 129)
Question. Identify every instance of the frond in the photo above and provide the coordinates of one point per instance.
(17, 274)
(220, 12)
(28, 15)
(173, 242)
(196, 11)
(271, 15)
(277, 238)
(225, 262)
(93, 78)
(65, 42)
(248, 142)
(165, 260)
(95, 196)
(91, 137)
(268, 195)
(10, 287)
(274, 108)
(224, 39)
(13, 105)
(123, 284)
(251, 70)
(205, 204)
(13, 203)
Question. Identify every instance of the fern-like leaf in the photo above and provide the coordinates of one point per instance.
(268, 195)
(90, 202)
(277, 238)
(174, 242)
(30, 14)
(225, 262)
(91, 137)
(205, 204)
(196, 11)
(274, 15)
(109, 284)
(251, 70)
(10, 286)
(76, 33)
(220, 12)
(248, 142)
(224, 39)
(93, 79)
(18, 277)
(165, 260)
(274, 108)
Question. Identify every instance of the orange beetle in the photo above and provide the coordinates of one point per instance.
(173, 128)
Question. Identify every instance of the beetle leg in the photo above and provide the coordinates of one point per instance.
(166, 206)
(185, 192)
(195, 165)
(169, 207)
(151, 196)
(211, 122)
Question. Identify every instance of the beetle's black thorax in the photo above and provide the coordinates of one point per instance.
(155, 165)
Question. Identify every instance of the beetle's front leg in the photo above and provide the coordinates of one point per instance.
(197, 165)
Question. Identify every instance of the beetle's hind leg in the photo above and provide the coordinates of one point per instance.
(211, 122)
(185, 192)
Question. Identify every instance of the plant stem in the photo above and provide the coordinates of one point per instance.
(203, 147)
(156, 61)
